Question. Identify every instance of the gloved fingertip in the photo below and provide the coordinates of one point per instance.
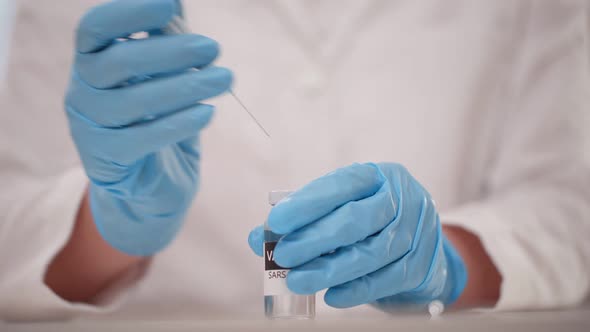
(207, 109)
(282, 256)
(203, 47)
(222, 74)
(300, 283)
(337, 298)
(278, 220)
(217, 80)
(256, 240)
(203, 114)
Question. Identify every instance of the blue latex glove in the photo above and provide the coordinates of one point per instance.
(135, 116)
(371, 234)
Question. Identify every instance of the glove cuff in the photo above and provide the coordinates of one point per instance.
(128, 232)
(457, 272)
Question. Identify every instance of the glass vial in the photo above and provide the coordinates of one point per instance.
(279, 301)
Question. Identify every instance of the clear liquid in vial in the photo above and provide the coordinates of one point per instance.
(279, 301)
(282, 304)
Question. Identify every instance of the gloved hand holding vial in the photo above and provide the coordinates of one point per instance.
(369, 233)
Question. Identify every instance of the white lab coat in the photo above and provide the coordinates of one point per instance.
(483, 101)
(6, 16)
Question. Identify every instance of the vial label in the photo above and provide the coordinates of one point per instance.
(275, 276)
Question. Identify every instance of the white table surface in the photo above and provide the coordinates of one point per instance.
(577, 319)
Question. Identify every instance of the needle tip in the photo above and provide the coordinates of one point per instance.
(249, 113)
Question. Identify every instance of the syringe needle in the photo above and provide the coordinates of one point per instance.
(249, 113)
(178, 26)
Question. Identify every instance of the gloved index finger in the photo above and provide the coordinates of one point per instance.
(324, 195)
(121, 18)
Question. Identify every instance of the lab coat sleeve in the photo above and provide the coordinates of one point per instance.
(534, 218)
(7, 9)
(38, 215)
